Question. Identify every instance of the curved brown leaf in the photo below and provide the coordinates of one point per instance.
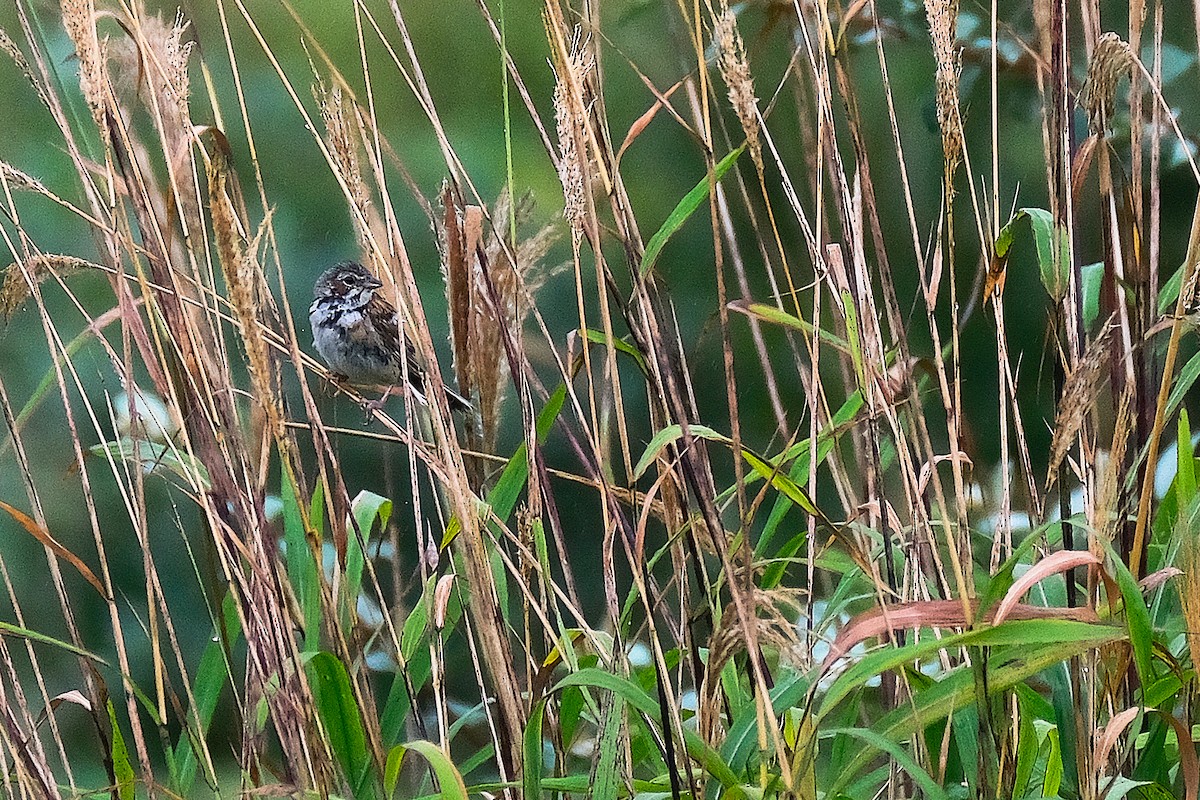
(933, 614)
(43, 536)
(1053, 564)
(1112, 731)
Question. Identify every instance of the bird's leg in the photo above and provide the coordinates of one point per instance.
(338, 381)
(371, 406)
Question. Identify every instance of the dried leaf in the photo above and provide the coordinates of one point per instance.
(48, 541)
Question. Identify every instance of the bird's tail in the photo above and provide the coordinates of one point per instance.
(417, 380)
(457, 401)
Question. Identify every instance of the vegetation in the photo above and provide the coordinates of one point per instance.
(832, 442)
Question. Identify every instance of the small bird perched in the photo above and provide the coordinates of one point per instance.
(357, 332)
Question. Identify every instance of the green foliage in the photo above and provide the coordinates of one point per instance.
(1053, 267)
(450, 782)
(341, 717)
(300, 554)
(122, 767)
(687, 206)
(212, 676)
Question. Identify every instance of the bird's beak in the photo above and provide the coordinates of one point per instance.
(374, 283)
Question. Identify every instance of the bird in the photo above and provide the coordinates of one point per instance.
(356, 330)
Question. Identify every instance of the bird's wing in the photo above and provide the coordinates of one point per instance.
(387, 323)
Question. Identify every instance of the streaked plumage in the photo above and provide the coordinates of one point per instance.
(357, 332)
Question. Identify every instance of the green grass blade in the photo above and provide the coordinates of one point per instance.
(687, 206)
(620, 345)
(607, 783)
(1183, 384)
(366, 508)
(122, 767)
(710, 760)
(1137, 617)
(449, 780)
(922, 778)
(8, 629)
(1010, 633)
(302, 570)
(956, 691)
(503, 496)
(209, 682)
(340, 715)
(531, 778)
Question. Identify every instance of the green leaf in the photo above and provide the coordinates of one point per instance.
(416, 624)
(856, 354)
(777, 316)
(1152, 791)
(405, 685)
(1054, 271)
(777, 565)
(1185, 475)
(620, 345)
(207, 686)
(687, 206)
(154, 458)
(1137, 616)
(1170, 291)
(8, 629)
(1183, 384)
(340, 715)
(764, 468)
(449, 780)
(783, 484)
(1092, 276)
(316, 511)
(607, 781)
(742, 741)
(418, 666)
(640, 701)
(1009, 633)
(485, 754)
(1054, 765)
(302, 569)
(122, 766)
(1162, 692)
(531, 778)
(1027, 749)
(735, 683)
(391, 770)
(964, 728)
(669, 435)
(1064, 745)
(503, 496)
(956, 691)
(898, 752)
(802, 453)
(366, 508)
